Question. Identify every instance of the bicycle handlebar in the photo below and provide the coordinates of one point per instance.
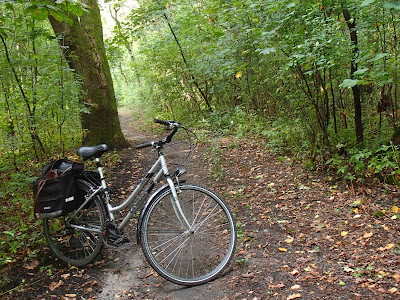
(162, 122)
(167, 139)
(145, 145)
(170, 124)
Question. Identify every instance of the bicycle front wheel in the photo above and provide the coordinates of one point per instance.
(188, 256)
(77, 241)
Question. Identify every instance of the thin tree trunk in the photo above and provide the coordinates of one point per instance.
(12, 133)
(351, 23)
(32, 128)
(204, 96)
(395, 75)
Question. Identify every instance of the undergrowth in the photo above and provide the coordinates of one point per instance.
(20, 234)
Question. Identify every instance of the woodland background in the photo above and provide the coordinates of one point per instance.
(316, 79)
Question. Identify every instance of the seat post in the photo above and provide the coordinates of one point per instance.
(100, 169)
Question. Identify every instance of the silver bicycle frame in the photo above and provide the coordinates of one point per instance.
(161, 170)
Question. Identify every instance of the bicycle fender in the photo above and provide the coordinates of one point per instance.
(148, 202)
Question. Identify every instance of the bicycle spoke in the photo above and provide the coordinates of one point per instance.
(78, 240)
(194, 256)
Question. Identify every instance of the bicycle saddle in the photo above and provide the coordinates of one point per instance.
(92, 152)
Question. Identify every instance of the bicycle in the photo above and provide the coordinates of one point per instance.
(186, 231)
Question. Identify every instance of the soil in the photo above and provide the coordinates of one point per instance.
(301, 235)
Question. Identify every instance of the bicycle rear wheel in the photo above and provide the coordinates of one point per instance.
(194, 256)
(78, 240)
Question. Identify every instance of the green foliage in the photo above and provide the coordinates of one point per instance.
(39, 113)
(215, 157)
(279, 69)
(360, 164)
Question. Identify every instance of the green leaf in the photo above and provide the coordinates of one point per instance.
(367, 3)
(40, 14)
(57, 16)
(348, 83)
(267, 50)
(392, 5)
(218, 34)
(10, 233)
(361, 71)
(378, 57)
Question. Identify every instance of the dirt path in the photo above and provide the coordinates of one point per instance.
(130, 276)
(301, 235)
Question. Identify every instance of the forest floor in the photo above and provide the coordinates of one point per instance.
(301, 235)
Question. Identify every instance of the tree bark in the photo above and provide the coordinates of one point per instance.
(86, 55)
(351, 23)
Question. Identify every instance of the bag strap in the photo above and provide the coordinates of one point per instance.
(36, 207)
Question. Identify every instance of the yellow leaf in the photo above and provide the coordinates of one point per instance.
(282, 249)
(387, 247)
(395, 209)
(344, 233)
(238, 75)
(392, 290)
(294, 296)
(289, 240)
(368, 235)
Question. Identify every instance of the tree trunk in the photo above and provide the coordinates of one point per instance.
(351, 23)
(86, 55)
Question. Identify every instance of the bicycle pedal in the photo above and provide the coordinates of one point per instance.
(112, 236)
(120, 241)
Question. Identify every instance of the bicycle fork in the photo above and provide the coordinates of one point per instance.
(175, 199)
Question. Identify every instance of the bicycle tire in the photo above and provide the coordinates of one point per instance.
(198, 255)
(75, 246)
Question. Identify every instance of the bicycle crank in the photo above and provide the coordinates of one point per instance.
(112, 236)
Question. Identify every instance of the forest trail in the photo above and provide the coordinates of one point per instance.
(128, 275)
(301, 235)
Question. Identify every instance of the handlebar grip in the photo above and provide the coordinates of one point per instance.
(166, 123)
(145, 145)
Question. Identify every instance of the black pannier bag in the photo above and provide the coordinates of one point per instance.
(55, 191)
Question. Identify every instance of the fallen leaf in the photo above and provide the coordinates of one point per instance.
(387, 247)
(70, 295)
(289, 240)
(294, 272)
(296, 287)
(392, 290)
(54, 285)
(248, 275)
(395, 209)
(32, 265)
(368, 235)
(344, 233)
(294, 296)
(65, 276)
(282, 249)
(278, 286)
